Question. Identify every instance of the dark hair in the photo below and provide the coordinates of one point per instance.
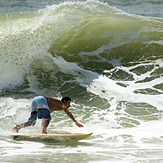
(65, 99)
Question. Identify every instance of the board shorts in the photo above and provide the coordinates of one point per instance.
(39, 102)
(39, 109)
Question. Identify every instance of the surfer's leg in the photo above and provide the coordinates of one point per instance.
(31, 122)
(45, 124)
(44, 114)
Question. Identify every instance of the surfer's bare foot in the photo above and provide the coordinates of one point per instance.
(44, 132)
(15, 129)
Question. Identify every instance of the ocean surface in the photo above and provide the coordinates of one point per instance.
(106, 55)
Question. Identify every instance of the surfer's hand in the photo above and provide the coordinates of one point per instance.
(78, 124)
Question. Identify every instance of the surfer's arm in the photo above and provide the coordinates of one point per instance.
(72, 117)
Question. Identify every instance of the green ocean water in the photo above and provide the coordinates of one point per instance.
(106, 55)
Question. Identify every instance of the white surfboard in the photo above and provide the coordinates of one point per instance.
(50, 137)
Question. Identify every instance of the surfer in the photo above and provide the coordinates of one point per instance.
(41, 107)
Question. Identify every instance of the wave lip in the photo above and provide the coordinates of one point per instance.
(90, 34)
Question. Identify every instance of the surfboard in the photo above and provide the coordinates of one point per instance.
(50, 137)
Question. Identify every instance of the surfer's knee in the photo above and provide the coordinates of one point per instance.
(32, 119)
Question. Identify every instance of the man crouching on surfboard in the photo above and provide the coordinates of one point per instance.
(41, 107)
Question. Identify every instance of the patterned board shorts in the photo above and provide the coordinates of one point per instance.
(41, 114)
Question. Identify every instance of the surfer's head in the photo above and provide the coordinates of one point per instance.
(66, 101)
